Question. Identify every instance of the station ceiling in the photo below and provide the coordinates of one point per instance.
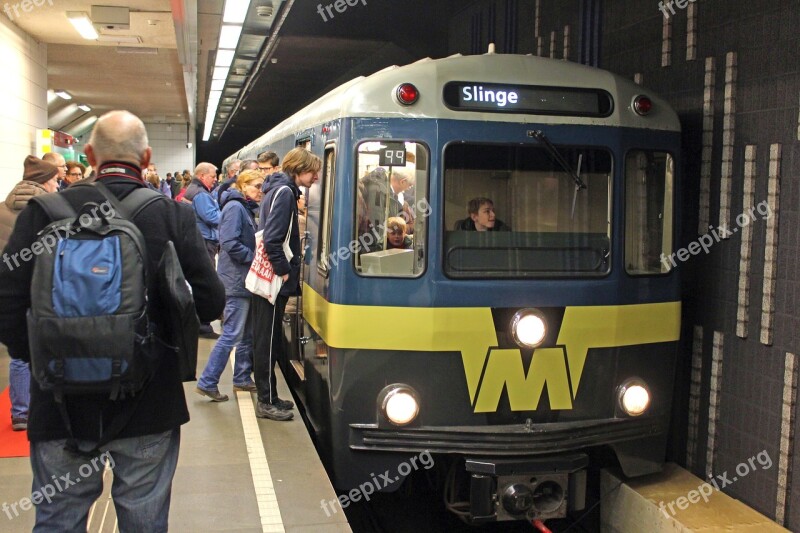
(166, 57)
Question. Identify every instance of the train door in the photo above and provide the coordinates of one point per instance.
(306, 352)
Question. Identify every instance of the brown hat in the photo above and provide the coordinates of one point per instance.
(38, 170)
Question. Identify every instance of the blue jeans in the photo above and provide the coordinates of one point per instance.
(19, 385)
(236, 331)
(65, 486)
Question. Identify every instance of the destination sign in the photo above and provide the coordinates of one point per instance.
(527, 99)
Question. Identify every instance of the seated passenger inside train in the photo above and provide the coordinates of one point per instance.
(481, 217)
(396, 234)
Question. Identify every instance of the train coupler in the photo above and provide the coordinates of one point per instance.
(526, 489)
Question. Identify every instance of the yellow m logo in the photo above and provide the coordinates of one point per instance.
(504, 368)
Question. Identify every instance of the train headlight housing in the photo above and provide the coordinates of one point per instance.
(634, 397)
(528, 327)
(399, 404)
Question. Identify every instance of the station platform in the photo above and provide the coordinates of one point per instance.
(235, 472)
(674, 500)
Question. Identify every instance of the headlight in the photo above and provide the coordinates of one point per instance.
(528, 328)
(634, 398)
(399, 404)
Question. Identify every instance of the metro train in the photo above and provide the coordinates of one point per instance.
(515, 355)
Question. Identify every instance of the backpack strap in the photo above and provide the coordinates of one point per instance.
(132, 204)
(55, 206)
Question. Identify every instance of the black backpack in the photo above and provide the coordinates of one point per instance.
(88, 327)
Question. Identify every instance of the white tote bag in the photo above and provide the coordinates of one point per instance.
(262, 280)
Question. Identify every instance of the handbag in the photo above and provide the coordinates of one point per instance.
(261, 279)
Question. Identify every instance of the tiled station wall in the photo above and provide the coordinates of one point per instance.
(23, 62)
(731, 69)
(168, 142)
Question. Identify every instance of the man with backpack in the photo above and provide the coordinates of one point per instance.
(131, 419)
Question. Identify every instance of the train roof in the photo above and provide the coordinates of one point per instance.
(373, 96)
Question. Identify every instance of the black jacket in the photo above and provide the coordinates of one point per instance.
(468, 224)
(161, 405)
(275, 224)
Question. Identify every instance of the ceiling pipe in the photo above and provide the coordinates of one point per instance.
(263, 57)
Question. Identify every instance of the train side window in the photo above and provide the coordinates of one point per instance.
(649, 191)
(328, 172)
(391, 209)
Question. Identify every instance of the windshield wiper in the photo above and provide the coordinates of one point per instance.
(558, 158)
(556, 155)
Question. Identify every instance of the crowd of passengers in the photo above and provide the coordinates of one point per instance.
(252, 196)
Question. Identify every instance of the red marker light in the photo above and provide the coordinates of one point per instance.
(642, 105)
(407, 94)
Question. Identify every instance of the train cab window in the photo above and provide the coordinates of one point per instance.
(513, 211)
(391, 209)
(649, 181)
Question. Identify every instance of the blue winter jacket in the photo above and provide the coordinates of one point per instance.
(206, 209)
(275, 224)
(237, 240)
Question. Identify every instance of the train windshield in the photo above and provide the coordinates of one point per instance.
(512, 211)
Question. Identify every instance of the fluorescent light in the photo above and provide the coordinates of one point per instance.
(229, 36)
(220, 73)
(214, 96)
(217, 85)
(64, 94)
(224, 58)
(235, 11)
(84, 107)
(83, 24)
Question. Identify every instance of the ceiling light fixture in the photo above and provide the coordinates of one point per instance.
(229, 36)
(235, 11)
(217, 85)
(224, 58)
(220, 73)
(64, 94)
(84, 107)
(83, 24)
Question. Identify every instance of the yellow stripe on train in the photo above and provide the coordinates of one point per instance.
(470, 331)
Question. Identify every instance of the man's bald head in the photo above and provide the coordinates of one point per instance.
(119, 136)
(57, 160)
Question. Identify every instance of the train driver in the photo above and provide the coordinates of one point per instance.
(481, 217)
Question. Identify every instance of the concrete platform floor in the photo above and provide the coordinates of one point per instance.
(214, 487)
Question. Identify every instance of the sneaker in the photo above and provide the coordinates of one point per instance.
(215, 395)
(19, 424)
(249, 387)
(268, 410)
(283, 405)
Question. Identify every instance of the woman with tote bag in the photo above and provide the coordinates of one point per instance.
(278, 218)
(237, 228)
